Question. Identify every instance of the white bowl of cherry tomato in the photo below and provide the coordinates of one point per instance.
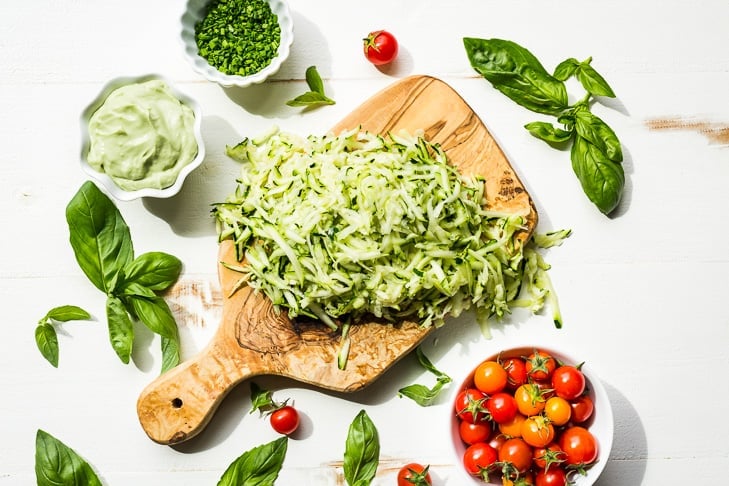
(532, 416)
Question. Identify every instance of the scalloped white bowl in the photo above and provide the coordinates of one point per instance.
(194, 12)
(106, 182)
(600, 424)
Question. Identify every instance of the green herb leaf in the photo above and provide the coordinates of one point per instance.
(362, 451)
(154, 270)
(592, 81)
(602, 179)
(57, 464)
(261, 399)
(566, 69)
(515, 72)
(99, 235)
(598, 133)
(121, 330)
(421, 394)
(157, 316)
(47, 342)
(548, 132)
(314, 80)
(133, 288)
(316, 95)
(67, 313)
(259, 466)
(170, 353)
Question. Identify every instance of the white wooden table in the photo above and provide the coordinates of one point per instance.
(643, 293)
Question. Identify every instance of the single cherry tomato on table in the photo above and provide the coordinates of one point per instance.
(472, 433)
(414, 474)
(554, 476)
(540, 365)
(490, 377)
(579, 446)
(568, 382)
(479, 459)
(380, 47)
(502, 407)
(285, 420)
(582, 408)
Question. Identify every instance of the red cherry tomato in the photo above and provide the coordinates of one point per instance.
(579, 446)
(540, 365)
(472, 433)
(479, 459)
(502, 407)
(582, 408)
(414, 474)
(517, 453)
(380, 47)
(470, 405)
(568, 382)
(554, 476)
(515, 371)
(547, 456)
(285, 420)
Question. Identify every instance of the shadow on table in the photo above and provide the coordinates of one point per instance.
(626, 464)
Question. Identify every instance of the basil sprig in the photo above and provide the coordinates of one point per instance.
(56, 463)
(46, 337)
(103, 247)
(362, 451)
(596, 153)
(421, 394)
(259, 466)
(315, 96)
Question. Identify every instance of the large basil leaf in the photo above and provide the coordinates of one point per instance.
(515, 72)
(154, 270)
(121, 330)
(57, 464)
(99, 235)
(602, 179)
(362, 451)
(157, 316)
(47, 341)
(259, 466)
(592, 81)
(597, 132)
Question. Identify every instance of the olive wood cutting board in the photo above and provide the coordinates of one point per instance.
(253, 339)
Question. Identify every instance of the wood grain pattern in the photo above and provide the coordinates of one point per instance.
(254, 339)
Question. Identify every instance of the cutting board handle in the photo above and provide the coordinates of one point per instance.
(180, 403)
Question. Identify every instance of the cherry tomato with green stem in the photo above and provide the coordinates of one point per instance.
(515, 371)
(516, 453)
(502, 407)
(380, 47)
(470, 405)
(479, 459)
(414, 474)
(285, 420)
(540, 365)
(554, 476)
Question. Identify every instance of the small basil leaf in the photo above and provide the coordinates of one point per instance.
(514, 71)
(592, 81)
(425, 363)
(597, 132)
(170, 353)
(421, 394)
(310, 98)
(67, 313)
(99, 235)
(566, 69)
(602, 179)
(121, 330)
(548, 132)
(56, 464)
(314, 80)
(133, 288)
(155, 314)
(259, 466)
(362, 451)
(47, 342)
(260, 398)
(154, 270)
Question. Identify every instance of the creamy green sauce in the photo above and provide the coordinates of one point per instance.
(142, 136)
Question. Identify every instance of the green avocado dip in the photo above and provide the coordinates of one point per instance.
(142, 136)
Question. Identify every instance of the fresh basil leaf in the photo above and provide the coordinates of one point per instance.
(99, 235)
(170, 353)
(602, 179)
(592, 81)
(314, 80)
(57, 464)
(259, 466)
(260, 398)
(566, 69)
(133, 288)
(154, 270)
(425, 363)
(514, 71)
(597, 132)
(362, 451)
(155, 314)
(310, 98)
(121, 330)
(67, 313)
(47, 341)
(548, 132)
(421, 394)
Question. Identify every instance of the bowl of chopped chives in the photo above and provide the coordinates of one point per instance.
(237, 42)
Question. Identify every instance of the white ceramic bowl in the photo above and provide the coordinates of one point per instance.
(600, 424)
(104, 180)
(194, 12)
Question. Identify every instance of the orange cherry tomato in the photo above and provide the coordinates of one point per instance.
(490, 377)
(558, 411)
(537, 431)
